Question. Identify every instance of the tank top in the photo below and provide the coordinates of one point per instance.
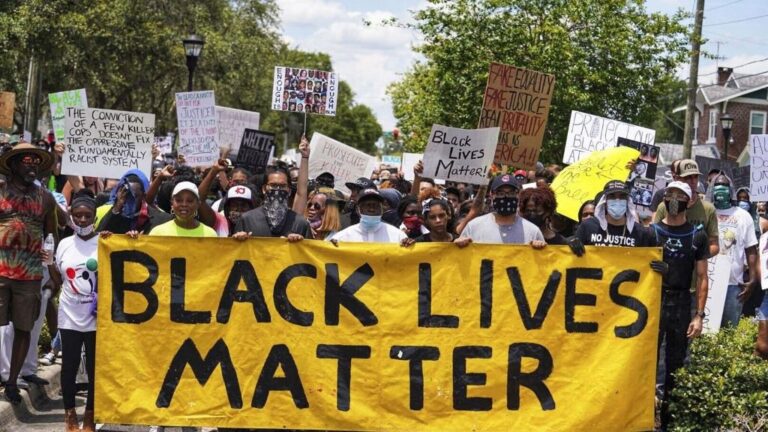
(21, 233)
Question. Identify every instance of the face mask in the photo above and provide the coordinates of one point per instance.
(370, 223)
(675, 207)
(505, 206)
(413, 223)
(536, 219)
(617, 208)
(721, 197)
(745, 205)
(276, 208)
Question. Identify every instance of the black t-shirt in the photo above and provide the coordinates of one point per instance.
(255, 222)
(426, 238)
(558, 239)
(683, 245)
(591, 234)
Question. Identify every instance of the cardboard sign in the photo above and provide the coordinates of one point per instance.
(707, 164)
(107, 143)
(588, 133)
(583, 180)
(232, 123)
(758, 160)
(7, 105)
(59, 103)
(461, 155)
(517, 100)
(164, 144)
(255, 150)
(310, 336)
(305, 90)
(718, 271)
(347, 164)
(198, 131)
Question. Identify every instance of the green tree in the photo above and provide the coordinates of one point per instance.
(610, 58)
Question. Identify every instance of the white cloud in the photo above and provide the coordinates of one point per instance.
(309, 12)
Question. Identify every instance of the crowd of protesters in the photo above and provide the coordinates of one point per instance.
(693, 218)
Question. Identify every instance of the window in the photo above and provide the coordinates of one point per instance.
(757, 123)
(696, 127)
(712, 124)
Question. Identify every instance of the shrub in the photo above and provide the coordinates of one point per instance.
(725, 387)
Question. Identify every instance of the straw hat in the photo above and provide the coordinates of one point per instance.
(22, 148)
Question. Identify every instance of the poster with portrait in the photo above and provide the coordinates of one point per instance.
(642, 178)
(307, 91)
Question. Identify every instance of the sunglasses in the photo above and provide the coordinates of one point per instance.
(315, 206)
(31, 160)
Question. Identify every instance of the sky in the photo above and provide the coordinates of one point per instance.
(371, 57)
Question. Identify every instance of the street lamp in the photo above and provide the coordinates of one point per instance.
(193, 45)
(726, 123)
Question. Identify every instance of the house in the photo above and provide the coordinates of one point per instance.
(744, 97)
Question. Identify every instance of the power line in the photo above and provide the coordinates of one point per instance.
(736, 21)
(724, 5)
(736, 79)
(735, 39)
(741, 65)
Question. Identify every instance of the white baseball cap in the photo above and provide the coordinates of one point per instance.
(240, 192)
(185, 186)
(682, 186)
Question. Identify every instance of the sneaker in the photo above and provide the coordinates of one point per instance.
(20, 383)
(13, 395)
(48, 359)
(34, 379)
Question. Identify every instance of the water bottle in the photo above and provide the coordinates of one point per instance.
(48, 246)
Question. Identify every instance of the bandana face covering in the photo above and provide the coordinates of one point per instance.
(721, 197)
(413, 223)
(276, 208)
(675, 207)
(505, 206)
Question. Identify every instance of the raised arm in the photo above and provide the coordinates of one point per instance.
(300, 200)
(207, 215)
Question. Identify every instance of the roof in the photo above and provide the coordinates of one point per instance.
(670, 152)
(744, 84)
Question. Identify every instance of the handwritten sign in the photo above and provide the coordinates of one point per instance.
(107, 143)
(517, 100)
(707, 164)
(305, 90)
(255, 150)
(718, 272)
(344, 162)
(59, 102)
(232, 123)
(164, 144)
(198, 131)
(588, 133)
(7, 105)
(758, 155)
(461, 155)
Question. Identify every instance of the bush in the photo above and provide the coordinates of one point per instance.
(725, 387)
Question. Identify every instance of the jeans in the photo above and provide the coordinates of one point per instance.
(762, 311)
(673, 342)
(732, 307)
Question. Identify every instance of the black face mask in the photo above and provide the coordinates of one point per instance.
(675, 207)
(505, 206)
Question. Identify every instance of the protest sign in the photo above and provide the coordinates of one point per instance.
(164, 144)
(489, 337)
(517, 100)
(255, 150)
(7, 105)
(588, 133)
(758, 160)
(347, 164)
(59, 102)
(107, 143)
(461, 155)
(584, 179)
(305, 90)
(198, 131)
(409, 161)
(740, 176)
(707, 164)
(232, 123)
(390, 160)
(718, 272)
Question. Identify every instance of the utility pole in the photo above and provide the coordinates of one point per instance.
(32, 101)
(693, 82)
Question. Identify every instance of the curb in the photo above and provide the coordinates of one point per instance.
(10, 415)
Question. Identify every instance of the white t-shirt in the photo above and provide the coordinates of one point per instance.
(737, 232)
(763, 260)
(484, 229)
(384, 233)
(76, 261)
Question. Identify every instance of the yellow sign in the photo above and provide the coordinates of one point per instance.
(584, 179)
(266, 334)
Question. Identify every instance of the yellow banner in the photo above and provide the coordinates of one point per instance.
(212, 332)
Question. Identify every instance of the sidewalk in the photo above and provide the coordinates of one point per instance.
(13, 418)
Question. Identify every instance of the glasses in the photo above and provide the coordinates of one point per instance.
(277, 186)
(315, 206)
(31, 160)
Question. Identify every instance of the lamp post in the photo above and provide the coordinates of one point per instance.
(193, 45)
(726, 123)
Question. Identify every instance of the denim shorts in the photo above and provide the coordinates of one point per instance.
(762, 311)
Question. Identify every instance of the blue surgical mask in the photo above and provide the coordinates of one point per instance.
(617, 208)
(370, 223)
(745, 205)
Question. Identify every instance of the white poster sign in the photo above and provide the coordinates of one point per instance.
(588, 133)
(307, 91)
(107, 143)
(198, 134)
(718, 271)
(460, 155)
(758, 179)
(59, 103)
(232, 123)
(347, 164)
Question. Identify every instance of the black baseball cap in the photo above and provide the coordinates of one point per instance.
(326, 179)
(504, 180)
(614, 186)
(368, 194)
(362, 183)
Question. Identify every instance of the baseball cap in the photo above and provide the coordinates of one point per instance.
(185, 186)
(504, 180)
(240, 192)
(686, 167)
(361, 183)
(614, 186)
(680, 185)
(522, 173)
(326, 179)
(367, 194)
